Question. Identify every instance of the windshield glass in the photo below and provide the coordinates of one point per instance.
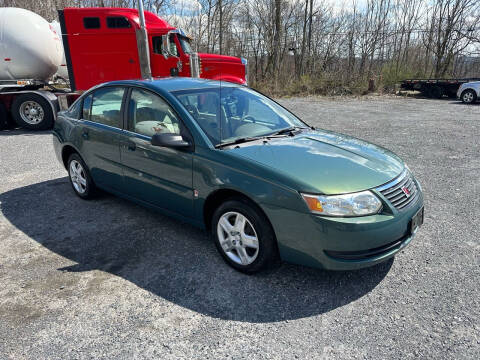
(230, 113)
(185, 43)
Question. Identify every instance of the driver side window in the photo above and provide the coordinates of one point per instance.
(149, 114)
(173, 46)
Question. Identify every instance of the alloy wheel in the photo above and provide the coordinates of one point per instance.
(238, 238)
(468, 97)
(78, 177)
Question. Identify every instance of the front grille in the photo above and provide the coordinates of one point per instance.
(396, 190)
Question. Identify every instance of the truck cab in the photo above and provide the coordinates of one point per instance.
(102, 44)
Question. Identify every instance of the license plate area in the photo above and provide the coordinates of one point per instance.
(417, 221)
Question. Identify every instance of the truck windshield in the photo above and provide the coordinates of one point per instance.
(228, 113)
(185, 43)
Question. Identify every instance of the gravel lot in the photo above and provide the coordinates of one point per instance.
(109, 279)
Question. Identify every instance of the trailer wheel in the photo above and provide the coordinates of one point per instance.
(3, 117)
(436, 92)
(468, 96)
(32, 111)
(426, 91)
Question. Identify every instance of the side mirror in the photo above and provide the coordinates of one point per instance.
(170, 140)
(165, 46)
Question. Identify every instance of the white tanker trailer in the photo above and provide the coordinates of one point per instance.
(62, 71)
(31, 51)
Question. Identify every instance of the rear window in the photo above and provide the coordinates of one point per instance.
(107, 105)
(87, 105)
(91, 23)
(117, 22)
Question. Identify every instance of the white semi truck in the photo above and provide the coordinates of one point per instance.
(31, 52)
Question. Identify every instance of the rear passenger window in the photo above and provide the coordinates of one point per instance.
(87, 105)
(106, 106)
(75, 110)
(91, 22)
(117, 22)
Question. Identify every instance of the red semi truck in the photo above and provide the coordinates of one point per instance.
(101, 44)
(104, 44)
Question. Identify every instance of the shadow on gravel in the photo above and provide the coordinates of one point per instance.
(171, 259)
(458, 102)
(10, 132)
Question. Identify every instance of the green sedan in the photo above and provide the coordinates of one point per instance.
(228, 159)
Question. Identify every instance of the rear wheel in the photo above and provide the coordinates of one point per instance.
(468, 96)
(4, 123)
(426, 91)
(243, 236)
(436, 92)
(80, 178)
(32, 111)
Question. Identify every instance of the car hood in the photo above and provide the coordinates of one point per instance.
(325, 162)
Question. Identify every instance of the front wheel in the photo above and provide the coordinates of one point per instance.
(468, 96)
(243, 236)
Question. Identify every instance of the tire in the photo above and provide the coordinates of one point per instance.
(231, 238)
(4, 123)
(436, 92)
(80, 178)
(426, 91)
(468, 96)
(32, 111)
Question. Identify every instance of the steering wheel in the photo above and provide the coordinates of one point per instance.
(249, 117)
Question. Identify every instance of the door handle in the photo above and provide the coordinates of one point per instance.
(85, 134)
(131, 146)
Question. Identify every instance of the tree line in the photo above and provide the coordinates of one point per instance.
(322, 46)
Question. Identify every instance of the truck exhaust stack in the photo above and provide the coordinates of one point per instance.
(142, 41)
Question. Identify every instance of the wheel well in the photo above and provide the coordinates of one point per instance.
(469, 89)
(66, 152)
(218, 197)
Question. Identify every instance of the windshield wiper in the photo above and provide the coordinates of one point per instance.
(250, 138)
(288, 130)
(239, 141)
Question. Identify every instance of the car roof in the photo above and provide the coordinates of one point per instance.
(172, 84)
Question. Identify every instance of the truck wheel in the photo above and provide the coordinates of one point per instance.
(32, 111)
(468, 96)
(436, 92)
(3, 117)
(426, 91)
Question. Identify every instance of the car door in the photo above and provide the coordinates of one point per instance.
(157, 175)
(101, 133)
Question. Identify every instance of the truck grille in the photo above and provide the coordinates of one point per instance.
(401, 191)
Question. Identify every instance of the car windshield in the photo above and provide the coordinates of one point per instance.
(227, 114)
(185, 43)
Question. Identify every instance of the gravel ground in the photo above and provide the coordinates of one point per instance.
(108, 279)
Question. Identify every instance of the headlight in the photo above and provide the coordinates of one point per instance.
(355, 204)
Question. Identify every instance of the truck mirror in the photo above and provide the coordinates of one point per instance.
(165, 46)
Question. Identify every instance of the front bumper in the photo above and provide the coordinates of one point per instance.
(342, 243)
